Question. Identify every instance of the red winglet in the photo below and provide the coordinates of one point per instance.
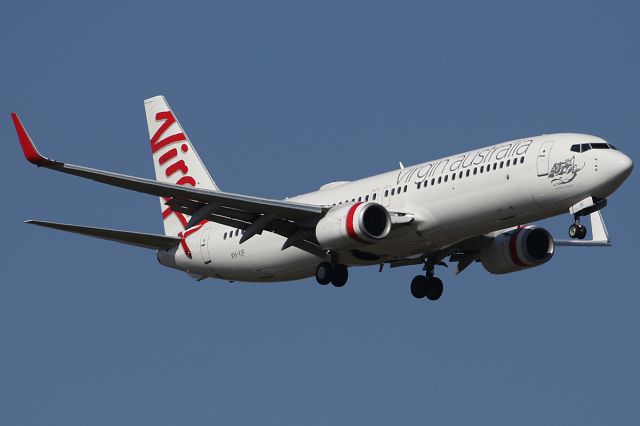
(29, 149)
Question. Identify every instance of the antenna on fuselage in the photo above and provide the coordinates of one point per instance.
(401, 165)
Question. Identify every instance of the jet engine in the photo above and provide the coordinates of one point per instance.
(522, 248)
(353, 225)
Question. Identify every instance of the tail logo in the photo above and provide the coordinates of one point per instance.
(169, 160)
(183, 238)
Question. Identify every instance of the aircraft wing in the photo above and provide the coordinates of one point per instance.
(289, 219)
(466, 252)
(139, 239)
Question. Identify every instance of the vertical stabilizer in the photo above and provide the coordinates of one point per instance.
(174, 158)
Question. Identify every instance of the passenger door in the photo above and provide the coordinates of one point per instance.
(204, 246)
(544, 158)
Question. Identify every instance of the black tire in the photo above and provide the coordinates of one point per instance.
(340, 275)
(434, 288)
(582, 232)
(324, 273)
(574, 230)
(419, 286)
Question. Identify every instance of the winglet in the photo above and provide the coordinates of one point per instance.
(28, 148)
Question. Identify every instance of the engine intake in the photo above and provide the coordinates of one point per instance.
(523, 248)
(353, 225)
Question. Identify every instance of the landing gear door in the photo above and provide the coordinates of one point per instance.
(204, 246)
(543, 158)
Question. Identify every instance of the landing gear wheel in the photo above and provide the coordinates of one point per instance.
(324, 273)
(434, 288)
(582, 232)
(578, 231)
(419, 286)
(340, 275)
(574, 230)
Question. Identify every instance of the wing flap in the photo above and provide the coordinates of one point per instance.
(138, 239)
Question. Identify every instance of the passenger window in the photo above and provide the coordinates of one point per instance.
(419, 184)
(439, 179)
(225, 236)
(508, 163)
(399, 190)
(575, 148)
(475, 170)
(393, 191)
(433, 181)
(375, 195)
(453, 176)
(366, 198)
(481, 169)
(501, 164)
(353, 200)
(467, 173)
(446, 178)
(237, 232)
(521, 160)
(460, 175)
(386, 192)
(495, 166)
(405, 188)
(359, 199)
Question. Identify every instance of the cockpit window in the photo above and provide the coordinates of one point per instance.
(587, 146)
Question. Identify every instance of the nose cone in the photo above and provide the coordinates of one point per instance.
(615, 169)
(622, 165)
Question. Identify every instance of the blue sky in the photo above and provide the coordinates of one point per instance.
(280, 98)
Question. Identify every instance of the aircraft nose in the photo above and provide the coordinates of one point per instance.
(623, 165)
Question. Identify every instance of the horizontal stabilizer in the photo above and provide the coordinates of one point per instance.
(139, 239)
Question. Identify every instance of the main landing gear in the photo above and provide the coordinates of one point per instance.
(427, 286)
(577, 230)
(334, 273)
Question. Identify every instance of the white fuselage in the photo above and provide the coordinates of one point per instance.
(450, 199)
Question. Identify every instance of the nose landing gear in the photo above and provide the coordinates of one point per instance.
(577, 230)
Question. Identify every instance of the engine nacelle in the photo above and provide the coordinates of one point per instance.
(353, 225)
(512, 251)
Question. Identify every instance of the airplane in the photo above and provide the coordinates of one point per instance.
(468, 207)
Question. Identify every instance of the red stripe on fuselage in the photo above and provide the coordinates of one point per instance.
(183, 237)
